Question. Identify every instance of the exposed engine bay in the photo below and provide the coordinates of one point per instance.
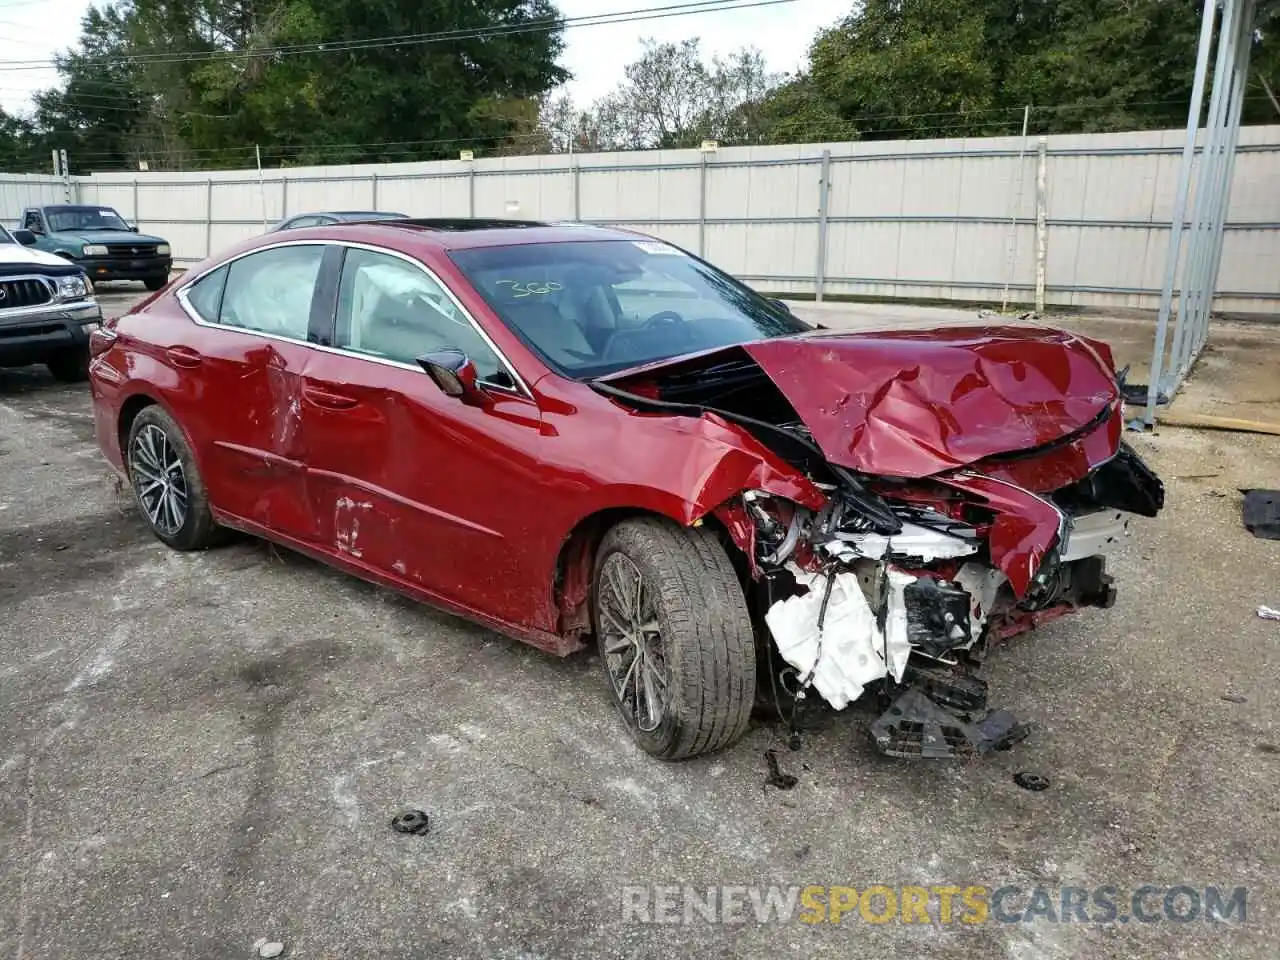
(961, 504)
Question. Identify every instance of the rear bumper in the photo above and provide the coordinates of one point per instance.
(31, 334)
(124, 268)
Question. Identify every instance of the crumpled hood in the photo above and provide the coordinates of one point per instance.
(914, 403)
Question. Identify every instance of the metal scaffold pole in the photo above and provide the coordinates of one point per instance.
(1173, 358)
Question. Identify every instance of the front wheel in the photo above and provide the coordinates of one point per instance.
(167, 484)
(675, 637)
(155, 283)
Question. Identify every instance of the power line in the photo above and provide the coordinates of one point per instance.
(377, 43)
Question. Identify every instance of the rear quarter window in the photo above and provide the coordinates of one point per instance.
(205, 295)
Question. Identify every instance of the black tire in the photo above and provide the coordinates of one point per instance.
(155, 283)
(704, 645)
(69, 366)
(197, 529)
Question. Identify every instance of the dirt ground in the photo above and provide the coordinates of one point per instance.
(198, 751)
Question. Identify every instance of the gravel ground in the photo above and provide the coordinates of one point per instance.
(201, 751)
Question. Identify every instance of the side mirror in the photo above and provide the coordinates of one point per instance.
(133, 228)
(24, 237)
(456, 376)
(780, 304)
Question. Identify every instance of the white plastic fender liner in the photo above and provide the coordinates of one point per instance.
(850, 651)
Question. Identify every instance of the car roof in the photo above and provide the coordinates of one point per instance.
(349, 213)
(467, 233)
(73, 206)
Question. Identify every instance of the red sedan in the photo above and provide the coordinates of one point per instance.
(570, 433)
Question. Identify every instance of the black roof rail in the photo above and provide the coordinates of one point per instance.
(459, 224)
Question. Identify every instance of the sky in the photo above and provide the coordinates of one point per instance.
(36, 29)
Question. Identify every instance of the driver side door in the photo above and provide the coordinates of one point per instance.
(404, 480)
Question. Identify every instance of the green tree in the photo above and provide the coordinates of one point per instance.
(949, 68)
(670, 97)
(200, 82)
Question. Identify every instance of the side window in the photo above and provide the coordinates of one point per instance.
(299, 222)
(271, 291)
(205, 295)
(390, 308)
(33, 221)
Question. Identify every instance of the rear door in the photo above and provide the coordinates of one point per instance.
(244, 359)
(401, 477)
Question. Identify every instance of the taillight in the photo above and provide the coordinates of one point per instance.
(101, 340)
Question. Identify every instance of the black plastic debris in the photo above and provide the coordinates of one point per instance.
(1234, 698)
(1262, 513)
(1135, 394)
(937, 615)
(411, 821)
(783, 781)
(917, 727)
(1031, 781)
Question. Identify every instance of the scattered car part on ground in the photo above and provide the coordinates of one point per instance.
(1268, 613)
(1031, 781)
(1261, 513)
(411, 821)
(642, 451)
(328, 217)
(99, 241)
(776, 778)
(47, 311)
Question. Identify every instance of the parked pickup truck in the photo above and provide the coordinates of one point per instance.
(47, 310)
(99, 240)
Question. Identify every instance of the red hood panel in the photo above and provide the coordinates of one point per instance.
(914, 403)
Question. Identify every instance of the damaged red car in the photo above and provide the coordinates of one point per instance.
(578, 435)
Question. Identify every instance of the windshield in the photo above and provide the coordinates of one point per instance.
(595, 307)
(83, 218)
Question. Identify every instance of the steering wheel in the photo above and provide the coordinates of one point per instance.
(662, 316)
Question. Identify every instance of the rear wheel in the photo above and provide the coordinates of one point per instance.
(166, 482)
(675, 638)
(69, 366)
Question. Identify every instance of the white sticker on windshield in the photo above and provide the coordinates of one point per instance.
(106, 213)
(658, 248)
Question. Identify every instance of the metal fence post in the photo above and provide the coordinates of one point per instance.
(374, 184)
(1193, 276)
(1042, 219)
(471, 191)
(137, 220)
(284, 196)
(1174, 250)
(702, 207)
(1240, 80)
(824, 206)
(577, 186)
(208, 218)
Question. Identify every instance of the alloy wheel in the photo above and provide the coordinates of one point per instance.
(631, 641)
(160, 480)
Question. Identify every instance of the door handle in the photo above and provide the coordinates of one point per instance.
(330, 401)
(183, 357)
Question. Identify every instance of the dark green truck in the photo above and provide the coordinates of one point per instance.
(98, 239)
